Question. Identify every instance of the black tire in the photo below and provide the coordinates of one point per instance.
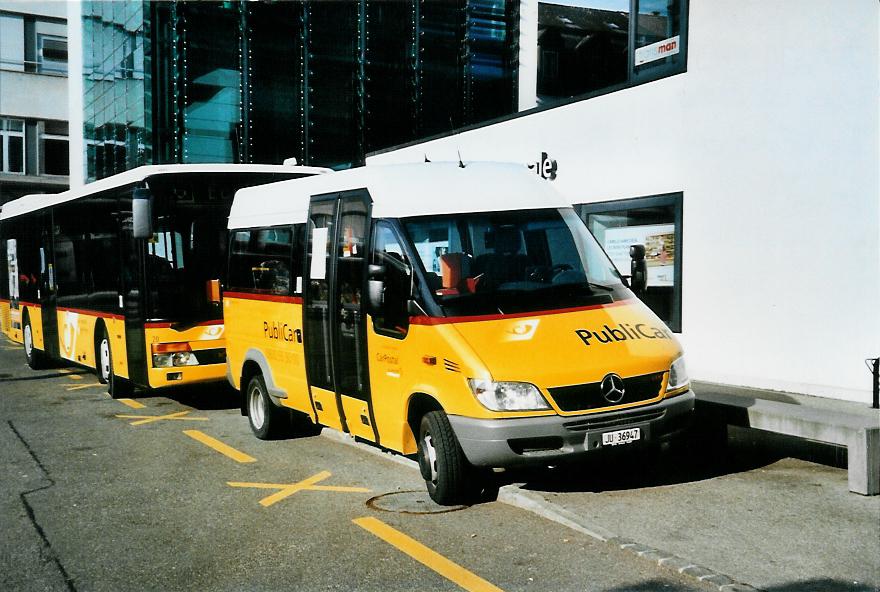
(268, 422)
(36, 360)
(447, 473)
(117, 387)
(103, 361)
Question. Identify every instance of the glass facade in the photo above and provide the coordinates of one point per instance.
(258, 82)
(586, 47)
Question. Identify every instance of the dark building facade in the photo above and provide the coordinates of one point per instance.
(258, 82)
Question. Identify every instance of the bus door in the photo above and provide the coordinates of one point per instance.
(48, 290)
(334, 327)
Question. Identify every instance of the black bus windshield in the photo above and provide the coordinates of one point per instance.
(507, 262)
(189, 243)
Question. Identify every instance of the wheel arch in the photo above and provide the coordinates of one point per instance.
(417, 406)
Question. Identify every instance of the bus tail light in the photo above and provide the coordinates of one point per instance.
(167, 355)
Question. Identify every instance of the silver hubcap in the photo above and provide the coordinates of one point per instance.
(256, 406)
(28, 341)
(105, 359)
(430, 456)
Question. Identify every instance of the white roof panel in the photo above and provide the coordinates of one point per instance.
(36, 201)
(401, 191)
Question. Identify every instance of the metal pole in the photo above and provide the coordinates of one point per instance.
(876, 374)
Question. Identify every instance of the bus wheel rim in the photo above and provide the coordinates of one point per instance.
(430, 455)
(256, 409)
(105, 359)
(28, 340)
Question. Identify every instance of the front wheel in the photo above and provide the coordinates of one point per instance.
(117, 387)
(442, 463)
(268, 421)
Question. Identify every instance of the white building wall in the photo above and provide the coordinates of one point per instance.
(773, 136)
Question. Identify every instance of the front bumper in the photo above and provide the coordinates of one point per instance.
(550, 439)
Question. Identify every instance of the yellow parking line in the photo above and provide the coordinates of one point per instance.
(74, 377)
(85, 386)
(219, 446)
(132, 403)
(285, 490)
(142, 419)
(431, 559)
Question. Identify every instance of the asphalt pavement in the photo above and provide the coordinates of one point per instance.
(172, 491)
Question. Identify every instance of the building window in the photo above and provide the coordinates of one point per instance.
(12, 146)
(655, 222)
(599, 45)
(52, 53)
(54, 149)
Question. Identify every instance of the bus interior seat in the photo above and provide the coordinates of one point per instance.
(506, 263)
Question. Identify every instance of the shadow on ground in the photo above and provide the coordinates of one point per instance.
(693, 457)
(202, 397)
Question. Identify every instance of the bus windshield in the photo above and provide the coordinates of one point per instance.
(513, 261)
(189, 243)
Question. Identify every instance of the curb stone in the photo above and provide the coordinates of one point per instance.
(513, 495)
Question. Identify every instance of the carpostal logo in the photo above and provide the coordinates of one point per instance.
(622, 332)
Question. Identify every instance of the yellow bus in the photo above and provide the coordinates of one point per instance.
(464, 314)
(123, 275)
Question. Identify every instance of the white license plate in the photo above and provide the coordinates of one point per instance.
(621, 437)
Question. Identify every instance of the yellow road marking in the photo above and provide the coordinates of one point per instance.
(74, 377)
(132, 403)
(79, 387)
(142, 419)
(219, 446)
(8, 348)
(288, 489)
(427, 557)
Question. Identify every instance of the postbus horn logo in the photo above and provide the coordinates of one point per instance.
(612, 388)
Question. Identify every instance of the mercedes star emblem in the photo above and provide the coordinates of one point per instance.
(612, 388)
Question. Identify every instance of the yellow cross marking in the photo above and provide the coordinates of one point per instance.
(79, 387)
(142, 419)
(132, 403)
(285, 490)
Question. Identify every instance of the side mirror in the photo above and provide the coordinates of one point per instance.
(375, 285)
(638, 269)
(142, 213)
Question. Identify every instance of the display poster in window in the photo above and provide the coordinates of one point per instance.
(12, 267)
(659, 241)
(318, 270)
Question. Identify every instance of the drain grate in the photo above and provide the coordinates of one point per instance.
(409, 502)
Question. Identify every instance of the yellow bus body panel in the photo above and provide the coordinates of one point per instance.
(268, 326)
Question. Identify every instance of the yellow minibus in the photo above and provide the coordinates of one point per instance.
(123, 275)
(462, 313)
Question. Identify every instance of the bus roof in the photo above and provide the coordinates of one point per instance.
(37, 201)
(401, 191)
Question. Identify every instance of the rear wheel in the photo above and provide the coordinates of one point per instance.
(442, 463)
(35, 358)
(267, 420)
(102, 358)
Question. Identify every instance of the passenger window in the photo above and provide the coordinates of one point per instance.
(260, 261)
(392, 318)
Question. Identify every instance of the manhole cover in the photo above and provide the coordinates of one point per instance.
(409, 502)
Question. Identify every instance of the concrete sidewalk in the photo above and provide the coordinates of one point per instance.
(769, 511)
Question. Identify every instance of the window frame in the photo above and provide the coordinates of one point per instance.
(675, 200)
(53, 66)
(5, 134)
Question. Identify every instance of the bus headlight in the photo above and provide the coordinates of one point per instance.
(161, 360)
(507, 396)
(184, 359)
(678, 377)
